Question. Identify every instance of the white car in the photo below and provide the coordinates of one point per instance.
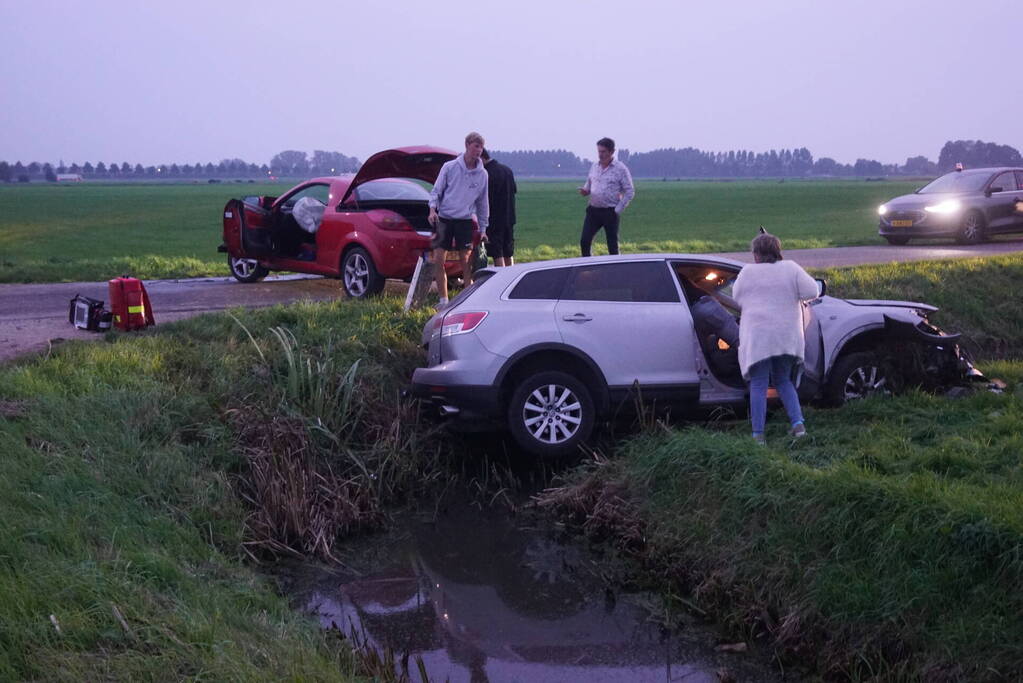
(550, 347)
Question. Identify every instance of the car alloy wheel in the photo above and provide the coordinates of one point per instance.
(860, 375)
(246, 269)
(972, 229)
(359, 275)
(551, 413)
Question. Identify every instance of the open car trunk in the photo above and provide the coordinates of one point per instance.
(415, 212)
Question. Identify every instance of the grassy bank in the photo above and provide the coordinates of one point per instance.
(143, 473)
(60, 233)
(127, 479)
(888, 543)
(976, 296)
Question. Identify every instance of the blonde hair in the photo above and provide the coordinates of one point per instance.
(473, 137)
(767, 247)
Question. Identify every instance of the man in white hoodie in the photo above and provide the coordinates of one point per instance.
(459, 194)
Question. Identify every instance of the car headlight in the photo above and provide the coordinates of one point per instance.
(947, 206)
(882, 210)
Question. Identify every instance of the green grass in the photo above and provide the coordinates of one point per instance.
(120, 486)
(889, 541)
(975, 296)
(51, 233)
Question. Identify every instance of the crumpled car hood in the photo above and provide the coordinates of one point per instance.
(886, 302)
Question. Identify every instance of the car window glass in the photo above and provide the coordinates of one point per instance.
(391, 190)
(698, 279)
(541, 284)
(321, 193)
(1019, 178)
(957, 181)
(1006, 181)
(479, 278)
(643, 281)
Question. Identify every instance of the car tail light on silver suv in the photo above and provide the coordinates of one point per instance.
(459, 323)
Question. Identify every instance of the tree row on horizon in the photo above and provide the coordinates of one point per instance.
(687, 162)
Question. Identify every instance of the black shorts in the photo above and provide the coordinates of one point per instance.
(500, 241)
(453, 234)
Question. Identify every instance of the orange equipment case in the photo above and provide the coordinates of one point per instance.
(129, 303)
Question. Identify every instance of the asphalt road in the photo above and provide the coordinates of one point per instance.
(33, 317)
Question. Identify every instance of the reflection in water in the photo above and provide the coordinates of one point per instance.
(480, 600)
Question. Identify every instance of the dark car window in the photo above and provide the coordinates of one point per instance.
(541, 284)
(644, 281)
(957, 181)
(480, 278)
(319, 192)
(1006, 181)
(1019, 178)
(391, 190)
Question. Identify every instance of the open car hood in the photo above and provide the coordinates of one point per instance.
(418, 163)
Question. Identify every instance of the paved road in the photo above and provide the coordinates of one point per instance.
(32, 317)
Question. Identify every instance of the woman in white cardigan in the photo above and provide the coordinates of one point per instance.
(770, 293)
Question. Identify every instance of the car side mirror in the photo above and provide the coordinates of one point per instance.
(822, 287)
(992, 190)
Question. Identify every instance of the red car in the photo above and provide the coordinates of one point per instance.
(362, 229)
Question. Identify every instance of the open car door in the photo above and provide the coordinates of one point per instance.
(247, 229)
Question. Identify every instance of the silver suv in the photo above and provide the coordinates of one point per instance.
(550, 348)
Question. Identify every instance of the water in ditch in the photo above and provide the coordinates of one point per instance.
(479, 598)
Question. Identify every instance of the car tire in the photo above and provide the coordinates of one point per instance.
(896, 240)
(860, 375)
(551, 413)
(246, 269)
(359, 276)
(972, 229)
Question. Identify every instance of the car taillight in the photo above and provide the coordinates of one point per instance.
(388, 220)
(459, 323)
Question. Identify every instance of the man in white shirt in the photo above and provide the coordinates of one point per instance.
(610, 189)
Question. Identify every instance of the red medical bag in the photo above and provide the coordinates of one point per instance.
(129, 302)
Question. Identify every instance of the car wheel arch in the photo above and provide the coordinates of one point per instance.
(869, 338)
(884, 343)
(553, 357)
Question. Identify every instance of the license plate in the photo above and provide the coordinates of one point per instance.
(902, 224)
(451, 256)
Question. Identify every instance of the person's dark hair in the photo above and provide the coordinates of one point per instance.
(606, 143)
(767, 247)
(486, 154)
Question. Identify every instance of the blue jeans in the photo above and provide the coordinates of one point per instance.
(779, 370)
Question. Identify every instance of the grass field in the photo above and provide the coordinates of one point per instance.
(51, 233)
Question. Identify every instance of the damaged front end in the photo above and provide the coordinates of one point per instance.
(926, 357)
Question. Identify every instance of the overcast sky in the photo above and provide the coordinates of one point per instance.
(186, 81)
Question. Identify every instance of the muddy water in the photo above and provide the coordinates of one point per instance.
(480, 599)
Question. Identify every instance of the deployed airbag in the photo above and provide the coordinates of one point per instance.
(308, 213)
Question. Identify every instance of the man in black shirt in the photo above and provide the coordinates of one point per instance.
(501, 232)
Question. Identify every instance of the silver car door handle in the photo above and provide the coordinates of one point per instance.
(577, 318)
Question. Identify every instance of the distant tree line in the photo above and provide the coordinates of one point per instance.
(687, 162)
(287, 163)
(690, 162)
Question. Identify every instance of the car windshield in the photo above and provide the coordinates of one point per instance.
(390, 190)
(957, 182)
